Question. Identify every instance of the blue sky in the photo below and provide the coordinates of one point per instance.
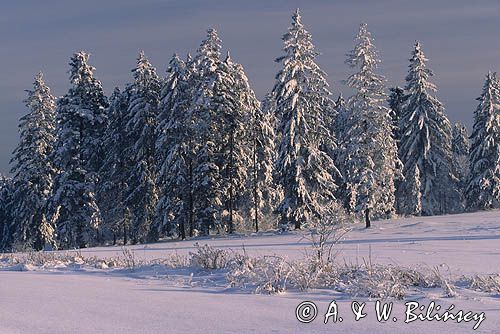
(460, 37)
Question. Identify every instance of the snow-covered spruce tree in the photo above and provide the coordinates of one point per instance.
(6, 226)
(345, 192)
(115, 170)
(300, 95)
(483, 184)
(412, 205)
(174, 151)
(340, 109)
(368, 155)
(33, 171)
(76, 156)
(141, 192)
(88, 95)
(236, 103)
(331, 114)
(426, 143)
(396, 99)
(460, 140)
(340, 103)
(460, 148)
(265, 194)
(207, 189)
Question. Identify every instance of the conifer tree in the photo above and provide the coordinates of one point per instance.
(77, 156)
(141, 193)
(396, 99)
(426, 142)
(460, 148)
(174, 149)
(345, 192)
(460, 140)
(32, 169)
(92, 104)
(368, 156)
(115, 169)
(341, 118)
(207, 187)
(301, 95)
(236, 103)
(265, 194)
(412, 204)
(483, 184)
(6, 226)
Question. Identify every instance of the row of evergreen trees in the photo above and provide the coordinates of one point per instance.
(197, 152)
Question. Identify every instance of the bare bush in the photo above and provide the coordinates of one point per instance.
(317, 268)
(388, 281)
(173, 261)
(275, 273)
(325, 233)
(380, 282)
(52, 260)
(313, 274)
(208, 257)
(128, 259)
(447, 286)
(304, 274)
(488, 283)
(267, 274)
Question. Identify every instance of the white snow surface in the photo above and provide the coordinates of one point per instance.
(79, 299)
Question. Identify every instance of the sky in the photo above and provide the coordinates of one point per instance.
(461, 38)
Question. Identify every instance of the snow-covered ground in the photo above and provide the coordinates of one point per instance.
(79, 299)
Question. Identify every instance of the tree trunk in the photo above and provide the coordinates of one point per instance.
(124, 233)
(182, 229)
(190, 200)
(231, 182)
(206, 228)
(255, 197)
(297, 224)
(367, 217)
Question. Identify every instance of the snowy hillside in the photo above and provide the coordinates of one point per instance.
(88, 292)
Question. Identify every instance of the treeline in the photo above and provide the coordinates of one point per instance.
(196, 152)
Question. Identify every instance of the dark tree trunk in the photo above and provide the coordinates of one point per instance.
(231, 182)
(124, 208)
(182, 229)
(39, 242)
(206, 228)
(367, 218)
(297, 224)
(255, 196)
(100, 236)
(124, 233)
(190, 199)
